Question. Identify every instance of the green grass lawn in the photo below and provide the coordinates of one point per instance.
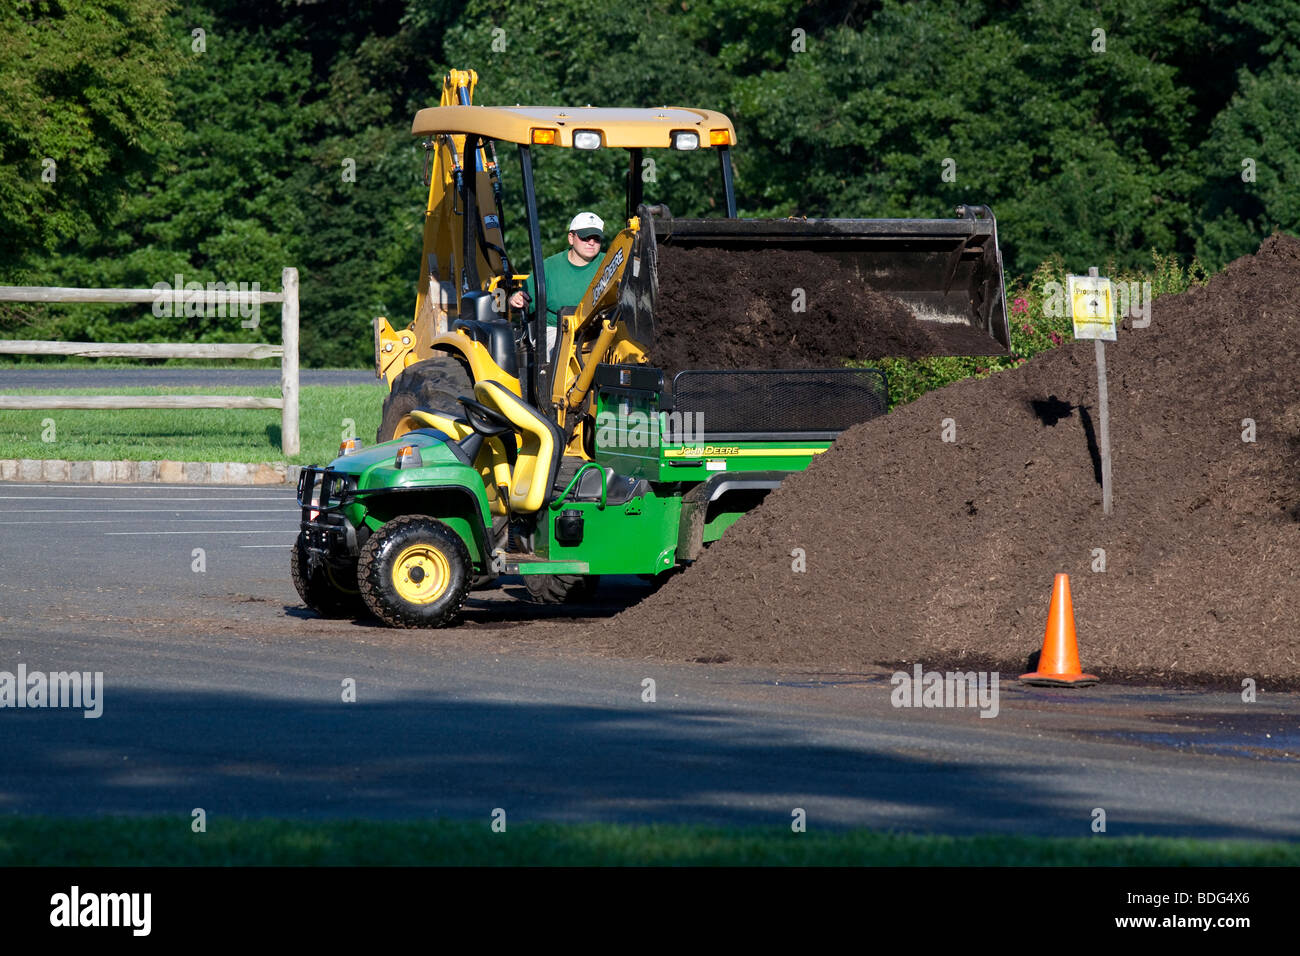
(192, 434)
(44, 841)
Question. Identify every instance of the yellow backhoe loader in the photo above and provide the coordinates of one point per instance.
(949, 271)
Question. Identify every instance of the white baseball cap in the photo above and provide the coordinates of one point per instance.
(587, 222)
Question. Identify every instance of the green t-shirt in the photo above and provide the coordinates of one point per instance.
(565, 283)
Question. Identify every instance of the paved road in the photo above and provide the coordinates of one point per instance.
(221, 692)
(91, 377)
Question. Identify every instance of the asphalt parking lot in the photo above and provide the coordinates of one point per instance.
(220, 690)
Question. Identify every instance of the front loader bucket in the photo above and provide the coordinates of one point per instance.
(947, 271)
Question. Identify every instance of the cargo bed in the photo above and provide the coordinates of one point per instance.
(725, 421)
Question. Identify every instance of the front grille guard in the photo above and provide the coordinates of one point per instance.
(326, 534)
(322, 490)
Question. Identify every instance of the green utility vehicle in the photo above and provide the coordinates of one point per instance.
(408, 526)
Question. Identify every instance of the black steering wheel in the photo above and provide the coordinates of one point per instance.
(486, 421)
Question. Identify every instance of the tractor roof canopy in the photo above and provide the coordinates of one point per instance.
(556, 125)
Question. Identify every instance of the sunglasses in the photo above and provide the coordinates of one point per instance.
(589, 238)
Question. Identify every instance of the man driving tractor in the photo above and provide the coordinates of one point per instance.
(568, 273)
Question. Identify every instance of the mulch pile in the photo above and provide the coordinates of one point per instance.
(732, 309)
(922, 550)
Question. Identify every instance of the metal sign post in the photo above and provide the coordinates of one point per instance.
(1093, 309)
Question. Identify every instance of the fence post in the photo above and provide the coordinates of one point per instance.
(290, 444)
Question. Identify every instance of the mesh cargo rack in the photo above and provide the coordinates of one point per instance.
(777, 404)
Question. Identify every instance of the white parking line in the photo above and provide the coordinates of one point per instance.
(170, 520)
(287, 495)
(64, 486)
(152, 511)
(201, 531)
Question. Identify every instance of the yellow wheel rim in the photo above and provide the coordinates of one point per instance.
(421, 574)
(407, 424)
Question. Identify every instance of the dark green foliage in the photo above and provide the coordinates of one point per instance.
(85, 86)
(229, 164)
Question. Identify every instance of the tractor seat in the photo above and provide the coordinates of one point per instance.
(467, 439)
(467, 433)
(426, 420)
(541, 445)
(496, 336)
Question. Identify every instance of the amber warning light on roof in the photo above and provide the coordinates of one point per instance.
(544, 137)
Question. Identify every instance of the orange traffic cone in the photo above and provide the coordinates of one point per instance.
(1058, 664)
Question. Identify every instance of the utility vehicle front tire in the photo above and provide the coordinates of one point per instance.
(415, 572)
(327, 591)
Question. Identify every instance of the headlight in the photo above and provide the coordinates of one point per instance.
(339, 486)
(586, 139)
(686, 139)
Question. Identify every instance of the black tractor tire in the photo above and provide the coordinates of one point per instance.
(327, 591)
(434, 383)
(561, 588)
(415, 572)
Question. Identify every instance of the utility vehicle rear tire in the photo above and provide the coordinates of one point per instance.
(415, 572)
(435, 383)
(327, 591)
(561, 588)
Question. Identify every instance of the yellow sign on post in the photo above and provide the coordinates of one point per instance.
(1093, 309)
(1092, 306)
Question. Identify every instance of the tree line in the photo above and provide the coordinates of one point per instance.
(225, 139)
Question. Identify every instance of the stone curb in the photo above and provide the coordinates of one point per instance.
(169, 472)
